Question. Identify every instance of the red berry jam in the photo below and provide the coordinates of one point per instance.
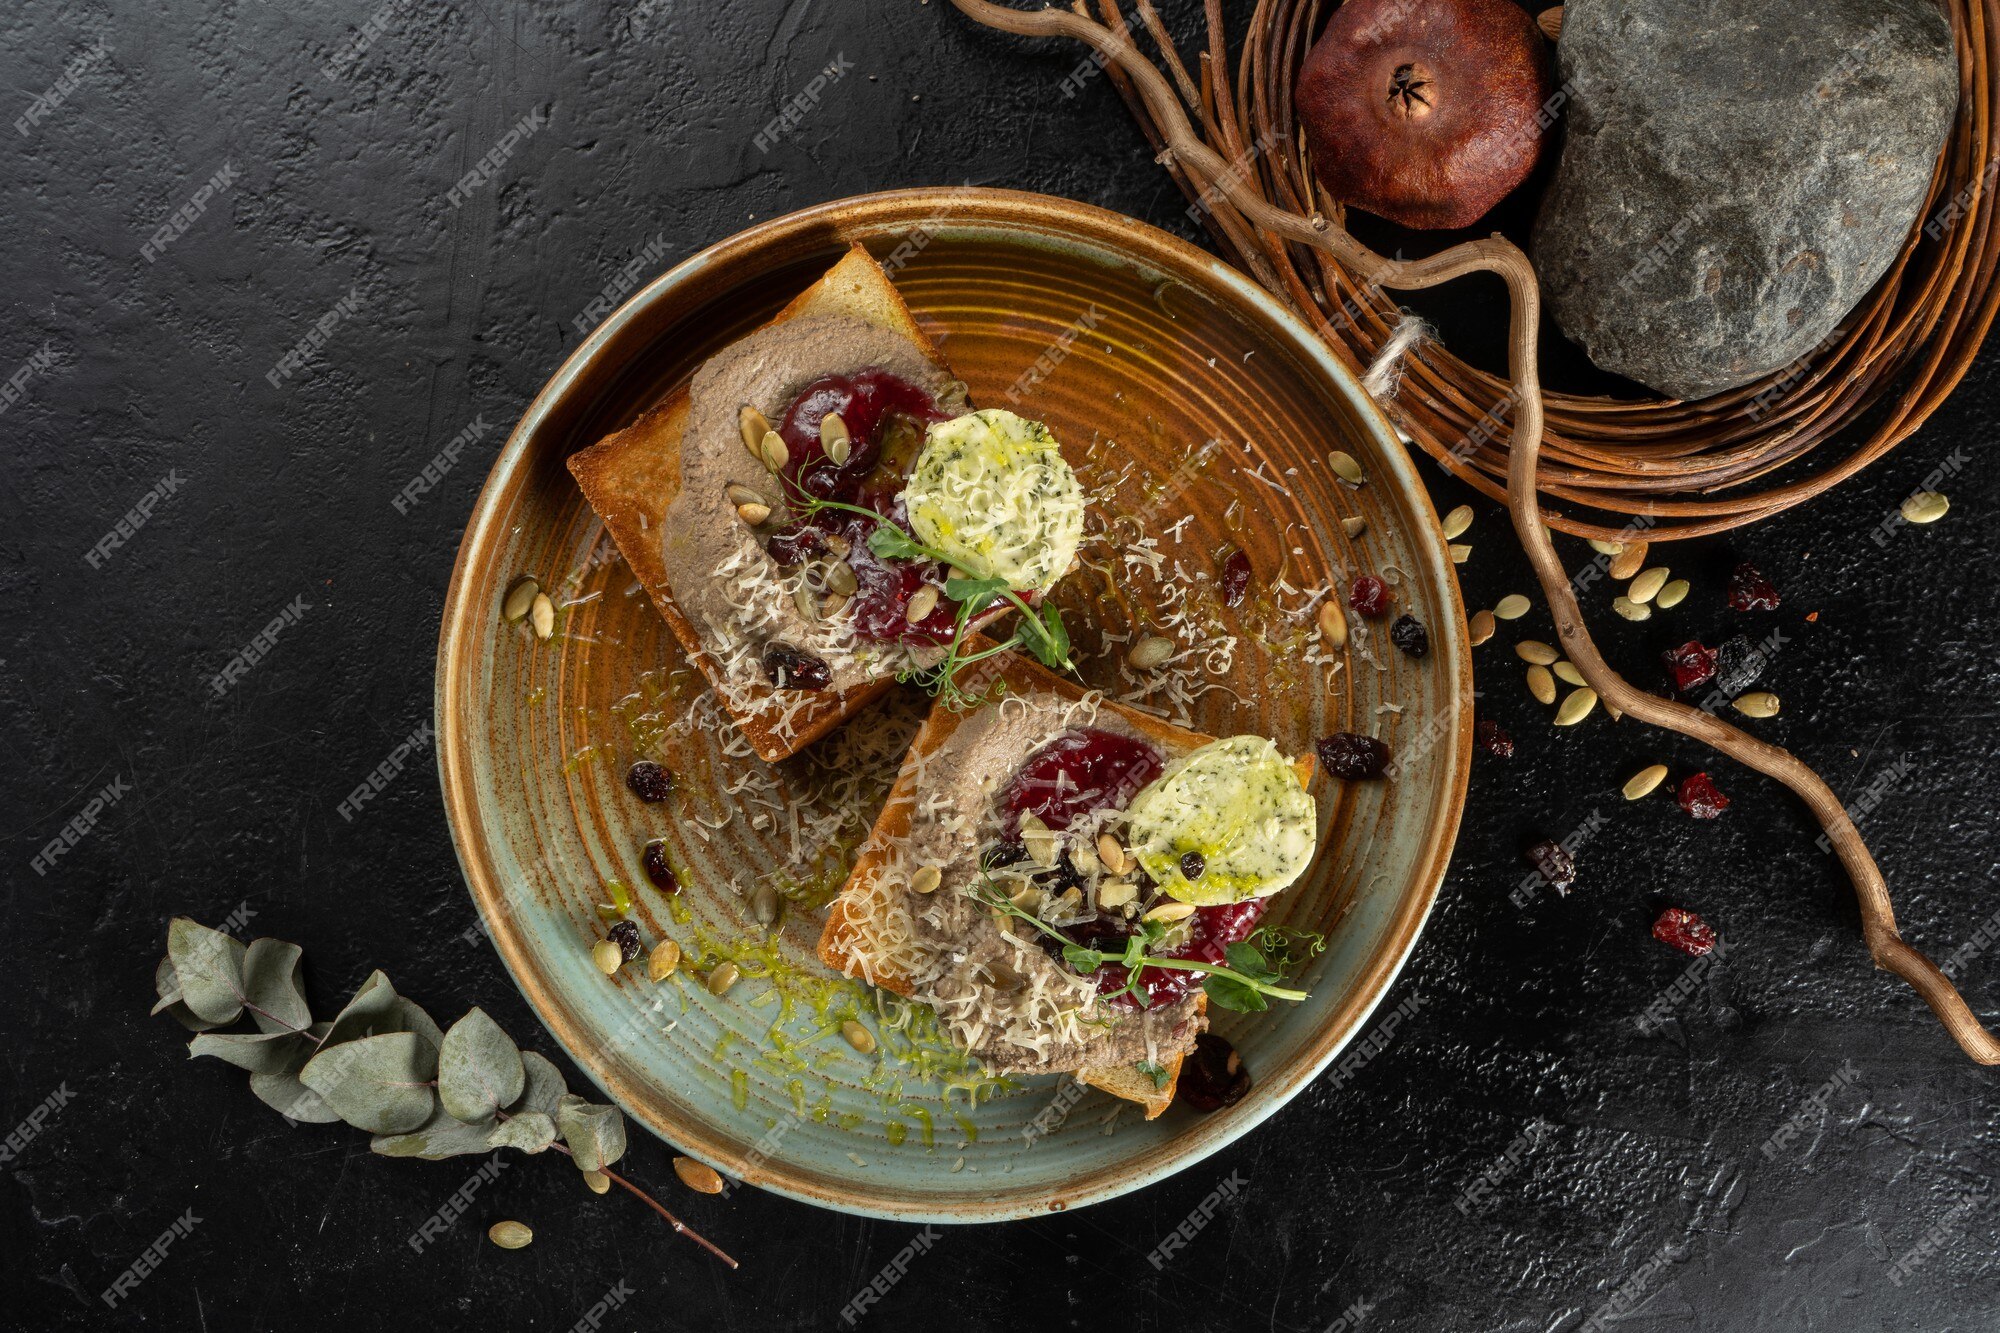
(866, 401)
(1691, 665)
(1699, 797)
(1684, 931)
(1082, 770)
(1369, 596)
(1211, 930)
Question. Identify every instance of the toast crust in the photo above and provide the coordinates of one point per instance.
(847, 922)
(631, 476)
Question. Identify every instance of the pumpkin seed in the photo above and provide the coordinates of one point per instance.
(510, 1235)
(664, 960)
(1344, 467)
(1511, 607)
(722, 978)
(1541, 684)
(1606, 548)
(1926, 507)
(1566, 671)
(1150, 652)
(608, 957)
(1112, 854)
(698, 1176)
(1630, 609)
(1042, 845)
(1354, 526)
(773, 451)
(764, 903)
(542, 614)
(1456, 522)
(1481, 627)
(1644, 781)
(1628, 562)
(859, 1037)
(926, 880)
(802, 598)
(1757, 703)
(1534, 650)
(1333, 623)
(922, 604)
(755, 515)
(1647, 586)
(838, 544)
(954, 393)
(754, 427)
(1576, 707)
(830, 607)
(1116, 893)
(519, 598)
(1171, 911)
(1672, 595)
(739, 494)
(834, 438)
(1460, 554)
(599, 1182)
(840, 578)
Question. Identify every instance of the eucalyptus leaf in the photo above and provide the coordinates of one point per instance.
(258, 1052)
(272, 987)
(544, 1088)
(376, 1009)
(166, 984)
(441, 1136)
(380, 1084)
(283, 1092)
(595, 1134)
(479, 1071)
(209, 967)
(531, 1133)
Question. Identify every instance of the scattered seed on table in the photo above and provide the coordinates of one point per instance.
(1602, 547)
(1648, 584)
(1645, 781)
(1541, 684)
(1567, 673)
(510, 1235)
(1628, 562)
(1534, 650)
(1576, 707)
(1672, 595)
(1511, 607)
(1460, 554)
(1456, 522)
(1630, 609)
(1344, 467)
(1481, 627)
(697, 1176)
(1757, 703)
(664, 960)
(1926, 507)
(1355, 526)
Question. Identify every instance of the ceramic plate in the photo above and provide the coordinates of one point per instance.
(1202, 414)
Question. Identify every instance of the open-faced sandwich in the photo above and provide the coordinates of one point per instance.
(820, 513)
(1069, 883)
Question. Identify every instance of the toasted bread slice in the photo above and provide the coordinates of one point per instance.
(853, 923)
(631, 477)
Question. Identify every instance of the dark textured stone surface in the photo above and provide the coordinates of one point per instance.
(1735, 176)
(1651, 1169)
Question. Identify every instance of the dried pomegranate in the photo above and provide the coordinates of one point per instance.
(1493, 739)
(1684, 931)
(1426, 114)
(1691, 665)
(1699, 797)
(1749, 590)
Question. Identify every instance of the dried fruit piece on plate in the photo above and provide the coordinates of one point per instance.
(1408, 634)
(1493, 739)
(1353, 757)
(1699, 797)
(1749, 590)
(1369, 596)
(1684, 931)
(1553, 863)
(1691, 665)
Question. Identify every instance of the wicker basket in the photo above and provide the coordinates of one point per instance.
(1683, 469)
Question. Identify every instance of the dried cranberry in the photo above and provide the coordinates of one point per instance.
(1553, 863)
(1699, 797)
(1082, 770)
(1193, 866)
(1212, 1075)
(1408, 633)
(1369, 596)
(796, 543)
(654, 859)
(625, 935)
(1749, 590)
(1493, 739)
(1353, 757)
(1691, 665)
(649, 781)
(1235, 578)
(1684, 931)
(792, 668)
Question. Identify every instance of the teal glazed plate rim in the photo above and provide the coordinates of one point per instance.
(1200, 414)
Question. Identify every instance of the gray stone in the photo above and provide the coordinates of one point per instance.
(1736, 176)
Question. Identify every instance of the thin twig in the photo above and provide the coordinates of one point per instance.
(1502, 258)
(651, 1202)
